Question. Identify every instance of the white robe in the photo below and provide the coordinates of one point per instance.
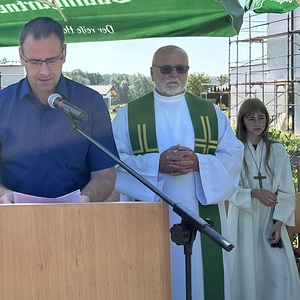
(215, 182)
(260, 272)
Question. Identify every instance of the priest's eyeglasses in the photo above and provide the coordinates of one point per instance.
(167, 69)
(50, 62)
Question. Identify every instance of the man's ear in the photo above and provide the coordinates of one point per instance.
(21, 56)
(65, 52)
(151, 73)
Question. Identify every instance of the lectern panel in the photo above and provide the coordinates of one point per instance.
(88, 251)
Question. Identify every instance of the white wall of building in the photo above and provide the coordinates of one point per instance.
(11, 73)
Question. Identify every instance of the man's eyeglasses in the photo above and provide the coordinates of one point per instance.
(167, 69)
(51, 62)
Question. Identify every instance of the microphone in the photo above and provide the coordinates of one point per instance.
(56, 101)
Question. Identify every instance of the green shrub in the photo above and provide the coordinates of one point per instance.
(291, 142)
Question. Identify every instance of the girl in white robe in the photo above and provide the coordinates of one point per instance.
(263, 264)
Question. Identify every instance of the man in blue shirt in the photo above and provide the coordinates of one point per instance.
(40, 154)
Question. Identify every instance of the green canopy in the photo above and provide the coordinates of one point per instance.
(271, 6)
(107, 20)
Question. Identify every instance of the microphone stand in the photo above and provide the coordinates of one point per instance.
(182, 234)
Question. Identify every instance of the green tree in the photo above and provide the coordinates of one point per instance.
(78, 76)
(121, 84)
(125, 91)
(291, 143)
(198, 83)
(95, 78)
(223, 79)
(140, 85)
(106, 79)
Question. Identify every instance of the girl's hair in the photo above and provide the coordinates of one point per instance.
(248, 108)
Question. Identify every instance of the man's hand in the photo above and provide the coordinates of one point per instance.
(7, 198)
(178, 160)
(84, 199)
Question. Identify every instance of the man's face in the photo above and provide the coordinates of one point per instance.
(173, 83)
(43, 76)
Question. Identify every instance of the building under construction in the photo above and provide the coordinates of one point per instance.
(264, 62)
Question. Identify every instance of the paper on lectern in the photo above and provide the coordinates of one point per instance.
(25, 198)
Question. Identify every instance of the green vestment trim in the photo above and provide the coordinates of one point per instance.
(142, 132)
(141, 125)
(212, 256)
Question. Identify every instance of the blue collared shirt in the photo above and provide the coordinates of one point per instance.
(40, 154)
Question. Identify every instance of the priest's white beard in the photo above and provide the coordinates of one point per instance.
(165, 89)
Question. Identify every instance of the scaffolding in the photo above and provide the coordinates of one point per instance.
(264, 63)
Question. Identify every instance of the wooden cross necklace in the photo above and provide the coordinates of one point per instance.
(259, 177)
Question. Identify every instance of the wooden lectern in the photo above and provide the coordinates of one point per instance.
(88, 251)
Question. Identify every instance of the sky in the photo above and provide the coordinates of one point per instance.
(207, 55)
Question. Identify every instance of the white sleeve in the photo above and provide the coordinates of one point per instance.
(220, 173)
(145, 165)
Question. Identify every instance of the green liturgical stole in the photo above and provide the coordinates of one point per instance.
(142, 132)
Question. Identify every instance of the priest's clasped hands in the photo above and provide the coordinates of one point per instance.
(178, 160)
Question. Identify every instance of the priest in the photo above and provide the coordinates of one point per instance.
(184, 146)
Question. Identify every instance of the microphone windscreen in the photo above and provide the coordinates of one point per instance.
(52, 98)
